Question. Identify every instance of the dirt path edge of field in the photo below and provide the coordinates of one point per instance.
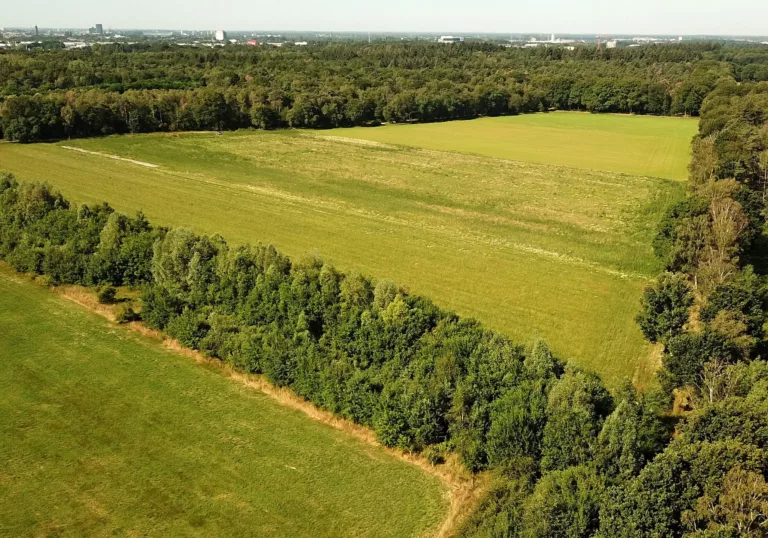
(110, 156)
(463, 490)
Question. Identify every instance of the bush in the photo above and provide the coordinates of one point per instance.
(107, 295)
(43, 280)
(435, 454)
(124, 313)
(187, 329)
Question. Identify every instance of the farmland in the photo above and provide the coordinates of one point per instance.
(104, 432)
(639, 145)
(534, 250)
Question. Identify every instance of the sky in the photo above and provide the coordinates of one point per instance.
(678, 17)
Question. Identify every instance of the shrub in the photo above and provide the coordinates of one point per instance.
(124, 313)
(187, 329)
(435, 454)
(107, 295)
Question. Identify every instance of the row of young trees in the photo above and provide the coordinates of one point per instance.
(135, 89)
(569, 458)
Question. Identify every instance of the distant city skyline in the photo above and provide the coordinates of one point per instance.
(659, 17)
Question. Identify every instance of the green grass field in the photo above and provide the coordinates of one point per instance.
(640, 145)
(536, 251)
(106, 433)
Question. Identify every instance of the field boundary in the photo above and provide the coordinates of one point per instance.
(464, 490)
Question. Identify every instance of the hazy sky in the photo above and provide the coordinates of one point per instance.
(732, 17)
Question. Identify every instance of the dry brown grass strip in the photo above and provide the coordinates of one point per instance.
(463, 489)
(86, 298)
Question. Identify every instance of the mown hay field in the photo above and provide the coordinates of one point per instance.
(103, 432)
(533, 250)
(640, 145)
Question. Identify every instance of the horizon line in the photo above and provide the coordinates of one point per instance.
(392, 32)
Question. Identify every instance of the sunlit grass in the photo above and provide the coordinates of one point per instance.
(641, 145)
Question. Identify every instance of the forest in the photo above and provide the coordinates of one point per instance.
(120, 88)
(566, 456)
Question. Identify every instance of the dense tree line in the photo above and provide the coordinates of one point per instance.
(117, 88)
(709, 309)
(568, 458)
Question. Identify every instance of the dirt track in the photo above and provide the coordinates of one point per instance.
(109, 156)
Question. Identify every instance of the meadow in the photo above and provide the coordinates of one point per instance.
(533, 250)
(104, 432)
(640, 145)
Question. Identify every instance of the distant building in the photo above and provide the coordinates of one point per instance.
(301, 43)
(611, 44)
(220, 35)
(252, 43)
(450, 39)
(36, 31)
(99, 29)
(553, 40)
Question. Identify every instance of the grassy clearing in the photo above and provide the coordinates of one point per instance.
(536, 251)
(640, 145)
(104, 432)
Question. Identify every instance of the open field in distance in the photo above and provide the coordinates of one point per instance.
(533, 250)
(640, 145)
(104, 432)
